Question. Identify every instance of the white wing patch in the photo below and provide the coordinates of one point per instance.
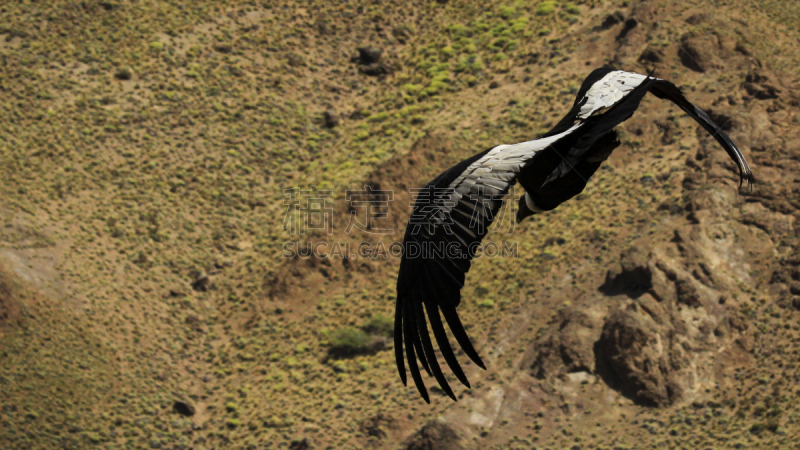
(497, 169)
(608, 91)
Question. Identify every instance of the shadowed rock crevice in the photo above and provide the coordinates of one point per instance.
(184, 408)
(377, 427)
(689, 56)
(756, 85)
(666, 310)
(632, 277)
(435, 435)
(11, 308)
(611, 20)
(629, 25)
(658, 344)
(371, 61)
(568, 347)
(631, 358)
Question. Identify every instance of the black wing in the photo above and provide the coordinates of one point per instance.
(665, 90)
(601, 125)
(548, 196)
(451, 216)
(582, 160)
(580, 98)
(555, 176)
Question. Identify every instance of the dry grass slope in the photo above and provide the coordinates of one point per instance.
(145, 148)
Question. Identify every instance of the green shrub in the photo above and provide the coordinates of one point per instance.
(519, 25)
(462, 65)
(412, 89)
(379, 117)
(572, 9)
(93, 437)
(476, 65)
(408, 110)
(438, 69)
(546, 8)
(499, 57)
(379, 325)
(349, 340)
(458, 29)
(507, 12)
(498, 44)
(124, 73)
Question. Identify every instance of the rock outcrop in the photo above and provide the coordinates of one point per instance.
(435, 435)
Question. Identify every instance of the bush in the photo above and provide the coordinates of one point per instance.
(349, 341)
(123, 74)
(507, 12)
(379, 117)
(546, 8)
(412, 89)
(572, 9)
(379, 325)
(458, 29)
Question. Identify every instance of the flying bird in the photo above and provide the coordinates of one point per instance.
(454, 210)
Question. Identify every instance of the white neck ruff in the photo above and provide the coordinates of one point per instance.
(531, 205)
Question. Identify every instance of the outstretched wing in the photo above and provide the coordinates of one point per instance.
(612, 96)
(607, 103)
(665, 90)
(600, 90)
(451, 216)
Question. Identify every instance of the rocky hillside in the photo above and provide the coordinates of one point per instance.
(149, 153)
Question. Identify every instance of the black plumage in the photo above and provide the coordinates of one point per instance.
(454, 210)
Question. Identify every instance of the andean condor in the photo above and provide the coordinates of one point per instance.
(455, 209)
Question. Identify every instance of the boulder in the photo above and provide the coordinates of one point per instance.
(301, 444)
(369, 55)
(633, 357)
(435, 435)
(699, 52)
(377, 426)
(184, 408)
